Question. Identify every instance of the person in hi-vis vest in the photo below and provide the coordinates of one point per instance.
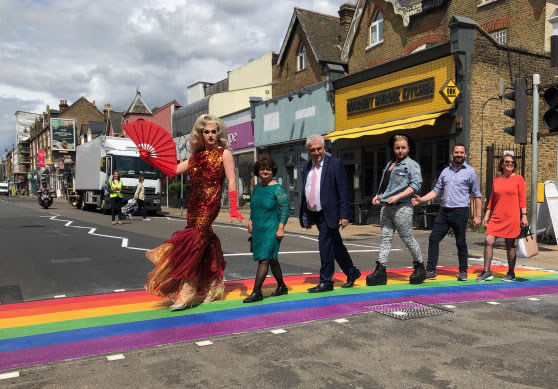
(115, 187)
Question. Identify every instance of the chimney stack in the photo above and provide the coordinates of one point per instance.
(63, 105)
(346, 13)
(107, 108)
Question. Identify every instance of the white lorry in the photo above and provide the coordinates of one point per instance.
(95, 162)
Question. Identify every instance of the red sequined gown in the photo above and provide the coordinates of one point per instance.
(194, 253)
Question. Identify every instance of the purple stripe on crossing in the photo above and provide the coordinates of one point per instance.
(46, 354)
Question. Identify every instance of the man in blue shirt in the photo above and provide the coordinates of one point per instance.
(457, 182)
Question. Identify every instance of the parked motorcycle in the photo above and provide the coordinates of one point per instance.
(45, 198)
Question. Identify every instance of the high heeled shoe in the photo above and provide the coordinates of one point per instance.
(185, 297)
(215, 289)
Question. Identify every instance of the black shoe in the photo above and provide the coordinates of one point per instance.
(255, 296)
(281, 290)
(321, 287)
(379, 277)
(351, 280)
(419, 275)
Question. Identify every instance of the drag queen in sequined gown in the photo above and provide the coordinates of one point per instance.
(191, 262)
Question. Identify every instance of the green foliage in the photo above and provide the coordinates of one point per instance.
(174, 188)
(480, 229)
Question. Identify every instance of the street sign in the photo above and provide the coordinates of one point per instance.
(450, 91)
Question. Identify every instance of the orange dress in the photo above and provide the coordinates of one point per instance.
(508, 197)
(194, 253)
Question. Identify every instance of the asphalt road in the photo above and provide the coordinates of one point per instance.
(66, 251)
(510, 342)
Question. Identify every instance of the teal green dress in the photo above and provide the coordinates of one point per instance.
(269, 206)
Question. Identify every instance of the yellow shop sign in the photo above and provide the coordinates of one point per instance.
(393, 96)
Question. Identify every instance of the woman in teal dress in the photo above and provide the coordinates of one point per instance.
(269, 211)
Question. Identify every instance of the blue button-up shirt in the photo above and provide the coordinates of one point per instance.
(405, 173)
(457, 186)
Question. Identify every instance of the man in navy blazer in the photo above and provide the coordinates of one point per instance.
(325, 202)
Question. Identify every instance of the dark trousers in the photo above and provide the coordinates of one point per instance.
(141, 204)
(332, 248)
(455, 218)
(115, 207)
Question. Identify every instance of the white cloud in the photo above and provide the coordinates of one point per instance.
(103, 50)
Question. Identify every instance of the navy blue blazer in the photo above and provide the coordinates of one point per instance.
(334, 194)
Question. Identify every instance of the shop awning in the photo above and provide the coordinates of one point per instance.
(381, 128)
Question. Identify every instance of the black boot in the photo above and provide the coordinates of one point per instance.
(379, 277)
(419, 275)
(255, 296)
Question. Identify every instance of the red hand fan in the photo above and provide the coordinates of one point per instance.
(156, 146)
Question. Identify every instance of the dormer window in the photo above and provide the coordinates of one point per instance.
(301, 57)
(377, 29)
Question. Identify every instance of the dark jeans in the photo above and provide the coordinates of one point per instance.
(455, 218)
(141, 204)
(332, 249)
(115, 207)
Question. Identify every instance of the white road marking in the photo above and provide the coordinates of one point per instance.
(303, 252)
(13, 374)
(204, 343)
(399, 313)
(533, 299)
(279, 331)
(449, 306)
(493, 302)
(120, 290)
(115, 357)
(61, 233)
(59, 296)
(341, 321)
(306, 273)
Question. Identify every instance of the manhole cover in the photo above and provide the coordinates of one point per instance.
(407, 310)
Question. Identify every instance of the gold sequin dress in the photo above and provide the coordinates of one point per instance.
(194, 253)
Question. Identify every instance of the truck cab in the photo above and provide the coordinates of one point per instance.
(96, 161)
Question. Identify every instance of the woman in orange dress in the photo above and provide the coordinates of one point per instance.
(506, 213)
(191, 261)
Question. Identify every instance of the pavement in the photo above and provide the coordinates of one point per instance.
(546, 259)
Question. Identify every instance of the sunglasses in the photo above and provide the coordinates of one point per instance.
(206, 132)
(509, 162)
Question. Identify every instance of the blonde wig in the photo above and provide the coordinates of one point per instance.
(196, 137)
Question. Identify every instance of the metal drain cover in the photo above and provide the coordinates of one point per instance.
(407, 310)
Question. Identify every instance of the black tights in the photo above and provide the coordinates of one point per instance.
(261, 273)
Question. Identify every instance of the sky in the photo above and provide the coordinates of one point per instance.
(54, 50)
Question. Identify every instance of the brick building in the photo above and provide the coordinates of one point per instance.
(313, 42)
(394, 45)
(60, 161)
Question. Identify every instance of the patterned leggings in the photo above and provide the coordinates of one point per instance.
(397, 217)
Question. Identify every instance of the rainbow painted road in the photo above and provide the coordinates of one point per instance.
(40, 332)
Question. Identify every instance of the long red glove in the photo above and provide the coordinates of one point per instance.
(233, 207)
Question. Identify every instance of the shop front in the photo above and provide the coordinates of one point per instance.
(281, 126)
(240, 131)
(414, 95)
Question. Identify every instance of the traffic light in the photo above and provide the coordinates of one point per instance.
(550, 117)
(519, 112)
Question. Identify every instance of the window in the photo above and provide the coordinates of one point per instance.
(301, 57)
(501, 36)
(377, 29)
